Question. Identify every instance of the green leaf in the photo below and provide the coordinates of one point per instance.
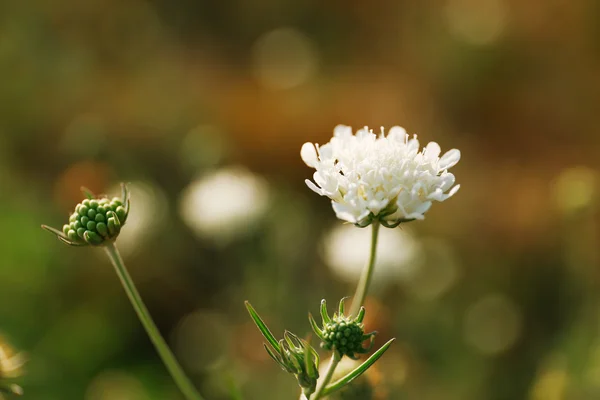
(262, 327)
(358, 371)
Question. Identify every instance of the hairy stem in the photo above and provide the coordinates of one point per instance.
(367, 274)
(184, 384)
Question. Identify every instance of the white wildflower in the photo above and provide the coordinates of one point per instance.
(369, 177)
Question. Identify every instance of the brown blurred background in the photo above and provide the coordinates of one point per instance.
(204, 105)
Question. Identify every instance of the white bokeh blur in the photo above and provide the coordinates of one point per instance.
(346, 251)
(224, 204)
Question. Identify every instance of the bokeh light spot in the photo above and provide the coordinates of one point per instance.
(115, 385)
(284, 58)
(201, 340)
(347, 248)
(477, 22)
(492, 324)
(575, 188)
(224, 204)
(435, 272)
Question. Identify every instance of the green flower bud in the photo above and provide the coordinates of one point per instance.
(342, 333)
(293, 354)
(95, 220)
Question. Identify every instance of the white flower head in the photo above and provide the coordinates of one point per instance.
(386, 178)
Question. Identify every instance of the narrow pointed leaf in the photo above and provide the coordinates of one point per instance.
(358, 371)
(324, 314)
(315, 327)
(262, 327)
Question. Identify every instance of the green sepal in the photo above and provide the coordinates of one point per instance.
(361, 315)
(315, 327)
(324, 314)
(87, 192)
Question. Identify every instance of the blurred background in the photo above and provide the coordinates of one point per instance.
(204, 105)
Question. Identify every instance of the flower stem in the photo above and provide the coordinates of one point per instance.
(335, 360)
(367, 273)
(161, 346)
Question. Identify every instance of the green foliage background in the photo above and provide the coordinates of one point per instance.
(161, 93)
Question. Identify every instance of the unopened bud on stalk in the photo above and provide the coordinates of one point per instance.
(95, 220)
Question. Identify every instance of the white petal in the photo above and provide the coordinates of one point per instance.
(446, 181)
(342, 131)
(309, 155)
(313, 187)
(453, 191)
(344, 212)
(432, 151)
(449, 159)
(398, 134)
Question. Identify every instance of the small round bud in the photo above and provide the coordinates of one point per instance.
(72, 235)
(91, 213)
(102, 229)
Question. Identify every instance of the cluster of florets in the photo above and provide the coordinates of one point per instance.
(95, 220)
(341, 333)
(371, 177)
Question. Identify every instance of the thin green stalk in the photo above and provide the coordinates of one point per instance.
(335, 360)
(161, 346)
(367, 274)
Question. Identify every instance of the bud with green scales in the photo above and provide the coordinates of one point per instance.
(342, 333)
(95, 221)
(293, 354)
